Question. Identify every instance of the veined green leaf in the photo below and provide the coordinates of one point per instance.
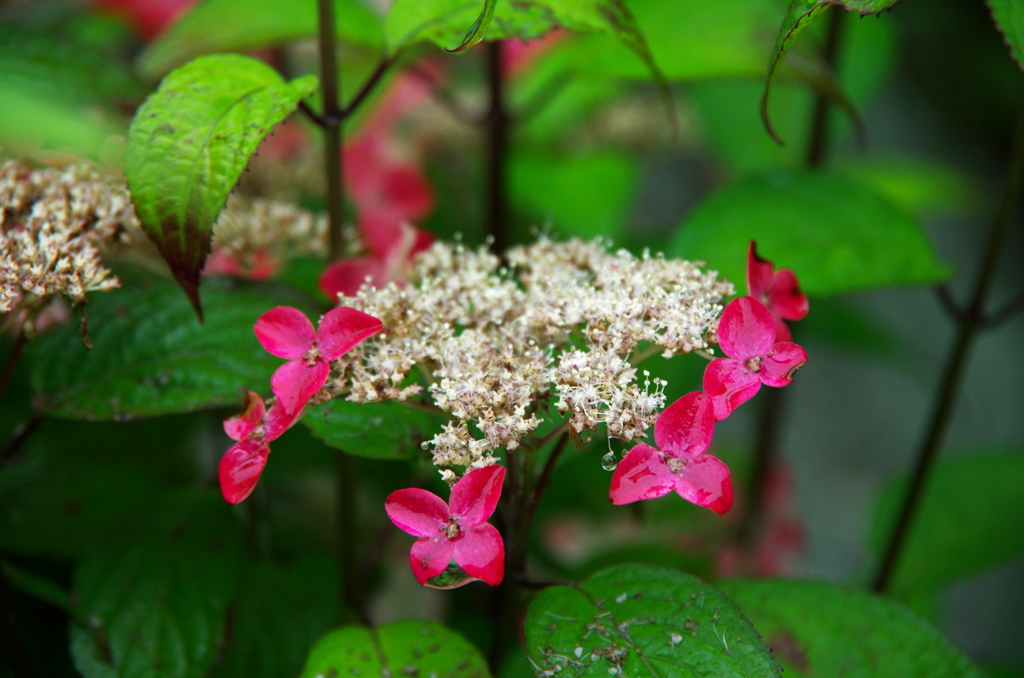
(640, 620)
(188, 144)
(1009, 18)
(818, 629)
(479, 28)
(412, 648)
(374, 430)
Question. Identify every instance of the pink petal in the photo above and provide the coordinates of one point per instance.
(380, 229)
(294, 383)
(705, 481)
(430, 556)
(285, 332)
(418, 512)
(476, 494)
(785, 296)
(481, 553)
(782, 332)
(277, 421)
(342, 328)
(406, 191)
(240, 468)
(245, 422)
(346, 276)
(782, 361)
(729, 383)
(642, 474)
(746, 329)
(759, 273)
(685, 428)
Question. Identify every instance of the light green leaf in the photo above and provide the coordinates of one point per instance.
(157, 602)
(800, 15)
(969, 519)
(479, 28)
(242, 25)
(374, 430)
(188, 144)
(818, 629)
(923, 187)
(836, 234)
(151, 356)
(410, 648)
(1009, 18)
(640, 620)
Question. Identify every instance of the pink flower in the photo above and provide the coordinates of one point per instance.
(149, 17)
(392, 247)
(460, 532)
(778, 290)
(287, 333)
(254, 428)
(682, 432)
(261, 265)
(746, 333)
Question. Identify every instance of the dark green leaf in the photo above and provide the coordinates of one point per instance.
(279, 615)
(640, 620)
(1009, 18)
(374, 430)
(479, 28)
(836, 234)
(151, 356)
(188, 144)
(818, 629)
(157, 601)
(800, 15)
(410, 648)
(970, 519)
(241, 25)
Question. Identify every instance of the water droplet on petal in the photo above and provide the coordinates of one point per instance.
(609, 462)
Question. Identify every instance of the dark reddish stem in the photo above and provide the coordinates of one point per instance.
(330, 122)
(968, 325)
(497, 148)
(817, 147)
(348, 539)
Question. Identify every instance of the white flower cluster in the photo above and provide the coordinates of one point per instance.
(549, 334)
(54, 225)
(248, 227)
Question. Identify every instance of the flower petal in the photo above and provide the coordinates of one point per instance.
(705, 481)
(746, 329)
(685, 428)
(418, 512)
(430, 556)
(481, 553)
(240, 468)
(346, 276)
(294, 383)
(782, 361)
(277, 421)
(245, 422)
(729, 384)
(342, 328)
(476, 494)
(285, 332)
(642, 474)
(785, 297)
(759, 273)
(782, 332)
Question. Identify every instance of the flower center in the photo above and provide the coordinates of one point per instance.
(453, 532)
(754, 364)
(312, 355)
(675, 465)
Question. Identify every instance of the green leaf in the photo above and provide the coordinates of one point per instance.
(836, 234)
(157, 601)
(374, 430)
(639, 620)
(241, 25)
(1009, 18)
(923, 187)
(280, 613)
(800, 15)
(479, 28)
(36, 585)
(818, 629)
(188, 144)
(970, 518)
(150, 356)
(408, 648)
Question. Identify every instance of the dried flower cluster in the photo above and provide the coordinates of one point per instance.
(54, 226)
(550, 334)
(250, 226)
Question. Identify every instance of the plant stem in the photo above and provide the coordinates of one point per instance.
(348, 539)
(330, 121)
(20, 436)
(497, 149)
(969, 323)
(817, 146)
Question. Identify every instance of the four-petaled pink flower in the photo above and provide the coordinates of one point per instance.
(392, 246)
(746, 333)
(287, 333)
(682, 434)
(254, 428)
(778, 290)
(460, 532)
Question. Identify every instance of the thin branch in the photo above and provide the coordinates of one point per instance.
(539, 101)
(368, 86)
(20, 436)
(817, 147)
(442, 96)
(545, 475)
(498, 124)
(331, 125)
(949, 303)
